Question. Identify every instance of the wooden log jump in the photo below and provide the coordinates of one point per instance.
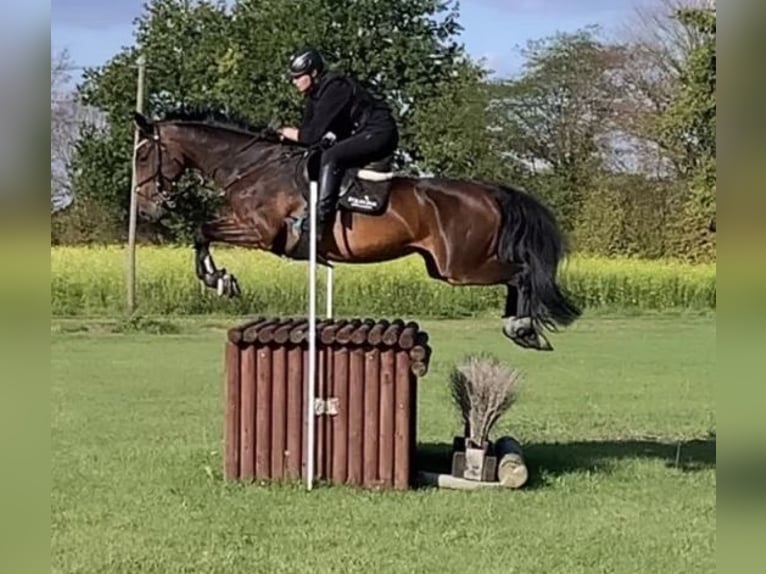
(365, 406)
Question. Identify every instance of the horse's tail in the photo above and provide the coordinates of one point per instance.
(530, 235)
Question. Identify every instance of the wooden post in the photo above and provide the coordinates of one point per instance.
(132, 216)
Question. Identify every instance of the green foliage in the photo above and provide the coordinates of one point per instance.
(688, 128)
(624, 215)
(452, 131)
(551, 117)
(91, 281)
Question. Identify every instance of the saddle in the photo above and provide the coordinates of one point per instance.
(363, 189)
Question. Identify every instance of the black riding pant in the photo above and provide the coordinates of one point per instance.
(370, 145)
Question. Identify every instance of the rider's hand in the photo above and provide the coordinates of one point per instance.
(289, 133)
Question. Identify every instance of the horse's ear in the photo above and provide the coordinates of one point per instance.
(144, 124)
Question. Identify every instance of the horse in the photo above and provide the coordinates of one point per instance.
(469, 233)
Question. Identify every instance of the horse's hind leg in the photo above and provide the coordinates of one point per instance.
(517, 321)
(518, 325)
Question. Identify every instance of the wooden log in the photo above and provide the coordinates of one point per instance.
(418, 353)
(419, 368)
(233, 410)
(439, 480)
(408, 335)
(371, 421)
(355, 415)
(376, 333)
(341, 420)
(294, 412)
(247, 417)
(329, 333)
(320, 392)
(235, 334)
(386, 462)
(359, 336)
(250, 334)
(282, 334)
(263, 414)
(346, 333)
(297, 332)
(267, 333)
(391, 333)
(279, 412)
(511, 470)
(405, 404)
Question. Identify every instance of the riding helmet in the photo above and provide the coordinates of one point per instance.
(306, 61)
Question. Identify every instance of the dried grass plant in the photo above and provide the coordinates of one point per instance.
(483, 389)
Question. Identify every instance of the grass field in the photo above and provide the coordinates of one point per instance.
(136, 436)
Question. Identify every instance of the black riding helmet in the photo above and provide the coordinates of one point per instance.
(306, 61)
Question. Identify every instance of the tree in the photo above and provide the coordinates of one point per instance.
(660, 43)
(466, 145)
(688, 130)
(558, 116)
(68, 118)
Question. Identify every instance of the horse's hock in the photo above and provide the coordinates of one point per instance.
(365, 405)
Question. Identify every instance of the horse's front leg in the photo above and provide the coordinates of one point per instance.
(219, 279)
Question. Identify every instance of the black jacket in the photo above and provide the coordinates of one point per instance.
(343, 106)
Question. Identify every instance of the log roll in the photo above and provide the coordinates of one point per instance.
(511, 470)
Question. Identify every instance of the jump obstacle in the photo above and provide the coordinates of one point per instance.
(364, 407)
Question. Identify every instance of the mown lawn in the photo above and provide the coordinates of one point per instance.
(618, 426)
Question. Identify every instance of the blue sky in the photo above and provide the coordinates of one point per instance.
(95, 30)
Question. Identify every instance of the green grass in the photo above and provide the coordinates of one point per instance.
(136, 431)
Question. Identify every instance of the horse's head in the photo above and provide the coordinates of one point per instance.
(158, 165)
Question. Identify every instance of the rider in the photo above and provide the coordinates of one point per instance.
(363, 126)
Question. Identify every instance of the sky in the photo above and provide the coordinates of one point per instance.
(95, 30)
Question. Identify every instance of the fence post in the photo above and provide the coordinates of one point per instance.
(132, 217)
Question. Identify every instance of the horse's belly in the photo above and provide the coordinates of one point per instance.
(370, 239)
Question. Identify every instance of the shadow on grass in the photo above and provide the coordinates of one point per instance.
(549, 460)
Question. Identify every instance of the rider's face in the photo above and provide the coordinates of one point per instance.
(303, 82)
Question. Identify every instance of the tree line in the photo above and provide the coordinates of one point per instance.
(616, 135)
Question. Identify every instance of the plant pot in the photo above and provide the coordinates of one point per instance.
(473, 462)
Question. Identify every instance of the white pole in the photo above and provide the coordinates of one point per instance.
(312, 335)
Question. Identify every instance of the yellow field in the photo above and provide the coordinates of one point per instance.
(91, 281)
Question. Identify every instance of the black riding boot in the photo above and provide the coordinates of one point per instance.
(330, 177)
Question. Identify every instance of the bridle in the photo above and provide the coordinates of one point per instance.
(166, 197)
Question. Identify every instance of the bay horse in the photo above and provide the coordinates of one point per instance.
(468, 232)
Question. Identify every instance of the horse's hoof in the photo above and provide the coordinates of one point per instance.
(227, 285)
(522, 331)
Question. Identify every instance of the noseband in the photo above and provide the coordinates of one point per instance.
(166, 197)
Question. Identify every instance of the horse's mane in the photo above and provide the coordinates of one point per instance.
(219, 117)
